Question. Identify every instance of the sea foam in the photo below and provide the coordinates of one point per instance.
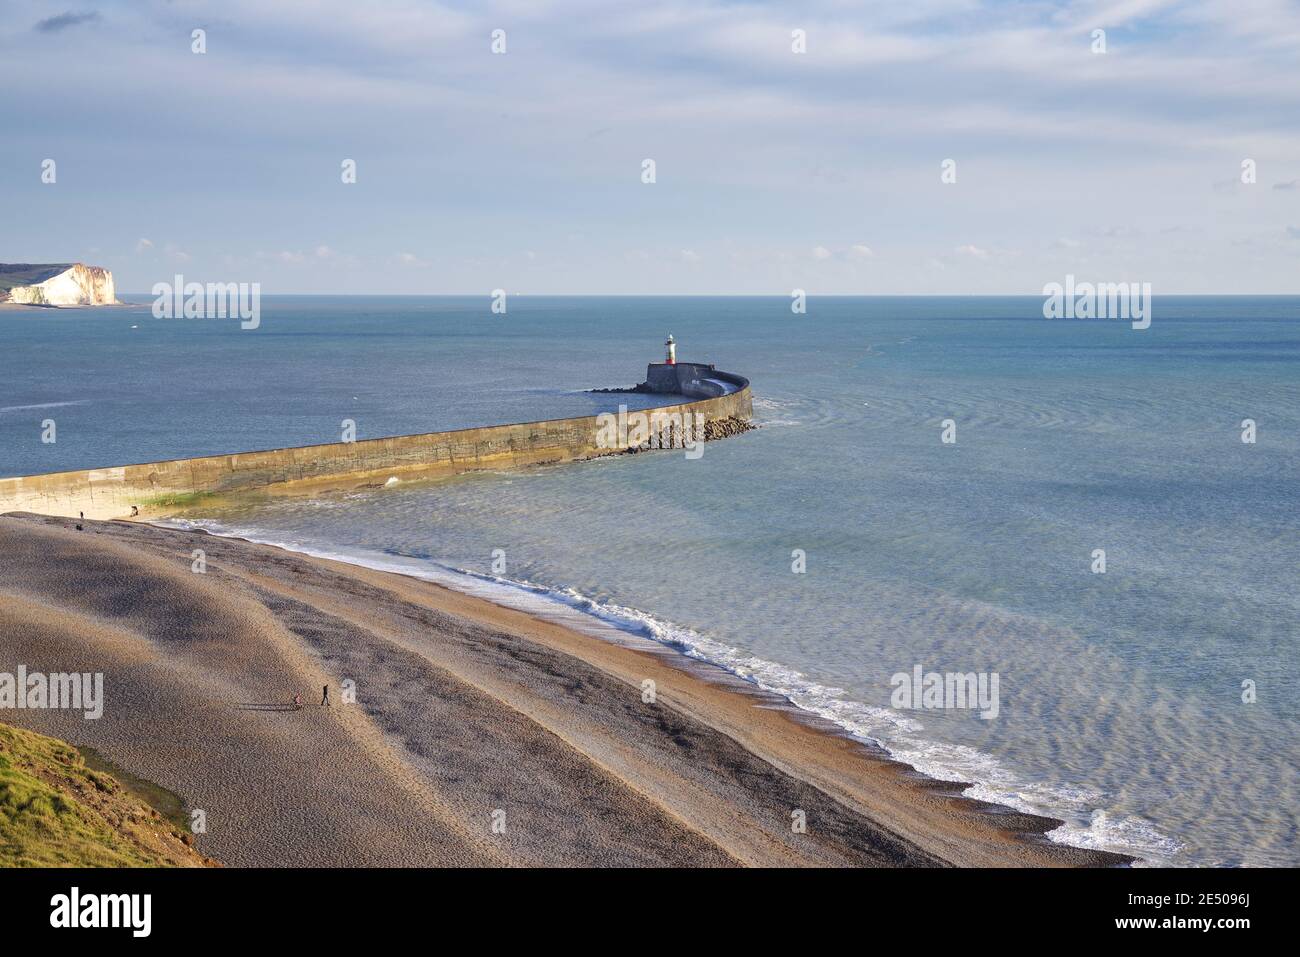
(1085, 824)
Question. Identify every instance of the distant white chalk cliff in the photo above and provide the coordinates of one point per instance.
(57, 284)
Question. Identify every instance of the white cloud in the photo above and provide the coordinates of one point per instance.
(838, 139)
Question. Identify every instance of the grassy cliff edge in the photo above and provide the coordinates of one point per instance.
(55, 811)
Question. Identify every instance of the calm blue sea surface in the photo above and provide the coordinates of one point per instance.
(1121, 694)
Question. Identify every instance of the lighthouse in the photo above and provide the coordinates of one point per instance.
(671, 348)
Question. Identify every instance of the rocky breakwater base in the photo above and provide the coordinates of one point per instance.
(691, 380)
(725, 428)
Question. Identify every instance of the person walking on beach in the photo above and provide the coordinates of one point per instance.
(325, 697)
(297, 702)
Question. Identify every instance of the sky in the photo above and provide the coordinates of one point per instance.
(773, 169)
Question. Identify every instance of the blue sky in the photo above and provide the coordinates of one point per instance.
(775, 170)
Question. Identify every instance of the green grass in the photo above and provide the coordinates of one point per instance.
(175, 499)
(55, 811)
(36, 273)
(167, 803)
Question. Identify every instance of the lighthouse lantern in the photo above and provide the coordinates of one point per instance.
(671, 348)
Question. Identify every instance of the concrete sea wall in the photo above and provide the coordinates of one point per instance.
(159, 488)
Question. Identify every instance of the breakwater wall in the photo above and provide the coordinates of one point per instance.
(161, 488)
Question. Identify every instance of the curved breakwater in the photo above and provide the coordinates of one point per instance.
(161, 488)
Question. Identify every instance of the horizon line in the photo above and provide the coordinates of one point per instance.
(729, 295)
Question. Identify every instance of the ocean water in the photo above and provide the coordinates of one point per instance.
(1120, 703)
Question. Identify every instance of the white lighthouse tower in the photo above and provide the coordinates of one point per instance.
(671, 348)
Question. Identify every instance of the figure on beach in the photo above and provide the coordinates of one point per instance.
(325, 696)
(297, 702)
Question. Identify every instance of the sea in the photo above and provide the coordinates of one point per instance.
(1103, 519)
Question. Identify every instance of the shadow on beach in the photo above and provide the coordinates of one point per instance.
(267, 706)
